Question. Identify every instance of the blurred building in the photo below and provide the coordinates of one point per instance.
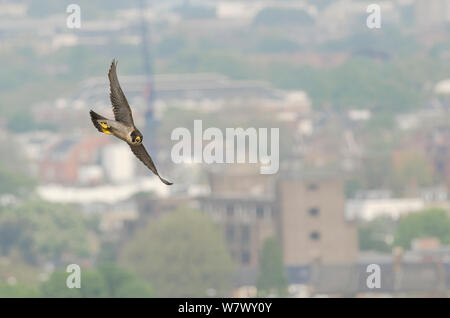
(88, 160)
(243, 203)
(423, 271)
(251, 208)
(437, 147)
(313, 227)
(371, 208)
(118, 162)
(180, 87)
(72, 160)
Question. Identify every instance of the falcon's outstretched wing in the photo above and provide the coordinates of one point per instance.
(121, 109)
(143, 155)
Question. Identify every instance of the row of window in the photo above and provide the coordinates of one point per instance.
(244, 256)
(259, 210)
(314, 235)
(244, 236)
(239, 210)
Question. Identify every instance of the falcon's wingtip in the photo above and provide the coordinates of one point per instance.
(113, 65)
(165, 181)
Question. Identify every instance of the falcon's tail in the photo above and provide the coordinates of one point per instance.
(95, 118)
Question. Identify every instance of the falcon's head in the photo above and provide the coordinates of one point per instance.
(136, 137)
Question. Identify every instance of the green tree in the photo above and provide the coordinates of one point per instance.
(426, 223)
(376, 235)
(123, 283)
(14, 267)
(92, 285)
(39, 228)
(13, 170)
(17, 291)
(105, 281)
(182, 255)
(272, 278)
(14, 182)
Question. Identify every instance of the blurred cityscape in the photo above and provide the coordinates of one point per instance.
(364, 178)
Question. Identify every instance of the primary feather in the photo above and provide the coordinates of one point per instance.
(121, 108)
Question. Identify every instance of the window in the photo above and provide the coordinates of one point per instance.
(313, 211)
(230, 210)
(314, 235)
(245, 234)
(260, 211)
(245, 257)
(229, 232)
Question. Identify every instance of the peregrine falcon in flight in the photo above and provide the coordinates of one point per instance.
(123, 125)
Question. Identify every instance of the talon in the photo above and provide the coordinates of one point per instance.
(104, 125)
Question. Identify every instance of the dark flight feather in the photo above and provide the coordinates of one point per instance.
(94, 118)
(142, 154)
(121, 108)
